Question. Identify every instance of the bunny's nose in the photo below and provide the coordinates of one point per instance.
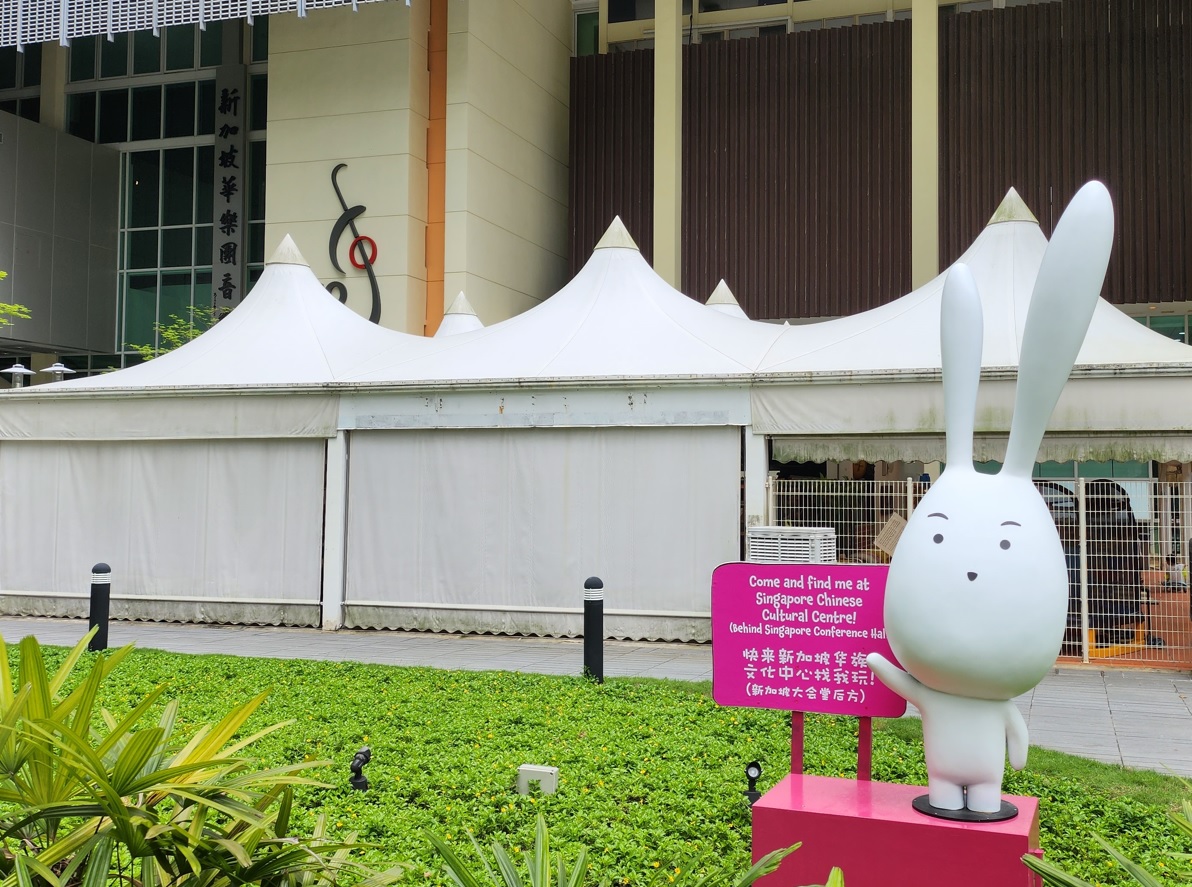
(972, 576)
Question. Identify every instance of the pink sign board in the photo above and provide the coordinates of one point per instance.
(795, 637)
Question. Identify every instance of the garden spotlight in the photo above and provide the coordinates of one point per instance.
(753, 772)
(359, 781)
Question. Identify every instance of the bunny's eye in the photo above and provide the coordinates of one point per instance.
(937, 538)
(1005, 544)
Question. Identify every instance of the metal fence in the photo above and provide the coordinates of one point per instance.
(1126, 542)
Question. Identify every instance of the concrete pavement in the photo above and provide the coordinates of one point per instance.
(1138, 718)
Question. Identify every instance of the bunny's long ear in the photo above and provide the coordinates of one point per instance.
(1062, 306)
(961, 332)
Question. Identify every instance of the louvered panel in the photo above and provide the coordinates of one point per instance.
(38, 21)
(1048, 96)
(612, 149)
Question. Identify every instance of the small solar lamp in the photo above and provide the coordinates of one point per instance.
(753, 772)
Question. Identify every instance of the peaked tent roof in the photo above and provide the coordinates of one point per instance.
(904, 334)
(460, 317)
(616, 318)
(288, 331)
(723, 300)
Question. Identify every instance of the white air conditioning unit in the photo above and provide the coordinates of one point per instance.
(790, 545)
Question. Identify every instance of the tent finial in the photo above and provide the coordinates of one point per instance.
(722, 295)
(617, 236)
(460, 305)
(287, 254)
(1013, 209)
(723, 300)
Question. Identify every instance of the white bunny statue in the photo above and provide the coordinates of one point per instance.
(977, 594)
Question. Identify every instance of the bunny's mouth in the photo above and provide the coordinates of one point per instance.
(972, 576)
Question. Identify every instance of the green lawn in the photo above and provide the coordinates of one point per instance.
(651, 771)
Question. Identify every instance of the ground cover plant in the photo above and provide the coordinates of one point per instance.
(651, 772)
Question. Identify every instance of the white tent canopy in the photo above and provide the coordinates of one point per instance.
(615, 319)
(288, 331)
(868, 386)
(602, 432)
(904, 334)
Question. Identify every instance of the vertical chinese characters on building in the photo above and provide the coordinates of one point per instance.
(231, 133)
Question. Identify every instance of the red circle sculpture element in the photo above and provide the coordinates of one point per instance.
(371, 260)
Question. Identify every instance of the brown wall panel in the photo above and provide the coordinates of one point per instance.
(1044, 98)
(796, 166)
(612, 149)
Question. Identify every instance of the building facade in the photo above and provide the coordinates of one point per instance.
(824, 156)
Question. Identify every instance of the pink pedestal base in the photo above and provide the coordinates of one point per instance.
(869, 830)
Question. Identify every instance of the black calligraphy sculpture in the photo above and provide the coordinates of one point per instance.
(362, 252)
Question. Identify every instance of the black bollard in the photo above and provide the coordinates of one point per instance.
(101, 599)
(594, 629)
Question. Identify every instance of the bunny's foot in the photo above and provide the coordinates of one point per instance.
(945, 795)
(985, 798)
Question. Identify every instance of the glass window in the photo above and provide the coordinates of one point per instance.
(258, 91)
(587, 33)
(146, 113)
(142, 249)
(80, 115)
(205, 174)
(180, 110)
(1169, 325)
(143, 171)
(140, 309)
(630, 10)
(204, 295)
(9, 106)
(30, 108)
(206, 107)
(178, 187)
(31, 65)
(1055, 469)
(260, 38)
(256, 243)
(211, 45)
(256, 180)
(8, 67)
(113, 56)
(203, 246)
(113, 115)
(175, 297)
(82, 58)
(146, 53)
(180, 47)
(175, 247)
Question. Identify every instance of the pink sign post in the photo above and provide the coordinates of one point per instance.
(795, 637)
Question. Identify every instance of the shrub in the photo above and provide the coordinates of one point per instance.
(88, 799)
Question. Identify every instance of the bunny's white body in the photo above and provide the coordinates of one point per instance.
(977, 594)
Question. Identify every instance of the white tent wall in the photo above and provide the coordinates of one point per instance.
(1102, 414)
(495, 530)
(195, 531)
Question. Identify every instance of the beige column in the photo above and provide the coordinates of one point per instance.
(602, 32)
(54, 57)
(668, 137)
(925, 156)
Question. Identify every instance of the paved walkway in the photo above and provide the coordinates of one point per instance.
(1142, 719)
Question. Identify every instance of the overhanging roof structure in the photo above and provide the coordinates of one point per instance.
(35, 21)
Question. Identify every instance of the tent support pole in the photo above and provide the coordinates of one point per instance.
(335, 527)
(757, 467)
